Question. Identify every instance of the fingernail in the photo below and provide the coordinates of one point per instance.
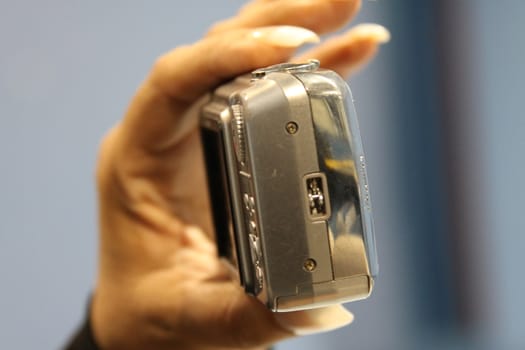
(315, 321)
(377, 31)
(286, 36)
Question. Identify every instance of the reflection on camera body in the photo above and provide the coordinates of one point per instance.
(288, 187)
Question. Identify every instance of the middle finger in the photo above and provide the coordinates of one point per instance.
(321, 16)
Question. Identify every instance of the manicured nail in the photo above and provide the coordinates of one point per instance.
(377, 31)
(315, 321)
(286, 36)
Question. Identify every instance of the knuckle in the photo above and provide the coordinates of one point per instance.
(329, 14)
(217, 28)
(104, 171)
(249, 327)
(165, 63)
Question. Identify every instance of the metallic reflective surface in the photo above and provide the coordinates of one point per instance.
(309, 66)
(341, 158)
(294, 158)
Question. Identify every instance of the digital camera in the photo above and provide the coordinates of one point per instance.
(288, 186)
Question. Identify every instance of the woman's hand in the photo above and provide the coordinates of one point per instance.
(160, 283)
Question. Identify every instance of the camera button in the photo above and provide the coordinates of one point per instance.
(246, 199)
(249, 204)
(255, 249)
(259, 276)
(255, 245)
(253, 227)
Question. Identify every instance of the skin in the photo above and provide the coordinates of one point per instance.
(160, 284)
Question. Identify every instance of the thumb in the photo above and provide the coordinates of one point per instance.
(316, 320)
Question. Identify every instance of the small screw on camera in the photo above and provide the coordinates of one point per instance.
(292, 127)
(309, 265)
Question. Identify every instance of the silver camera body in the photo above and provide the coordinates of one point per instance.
(288, 186)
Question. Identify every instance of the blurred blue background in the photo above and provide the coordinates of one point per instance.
(442, 120)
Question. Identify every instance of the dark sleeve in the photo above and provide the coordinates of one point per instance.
(83, 339)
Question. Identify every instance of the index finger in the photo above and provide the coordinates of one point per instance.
(156, 118)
